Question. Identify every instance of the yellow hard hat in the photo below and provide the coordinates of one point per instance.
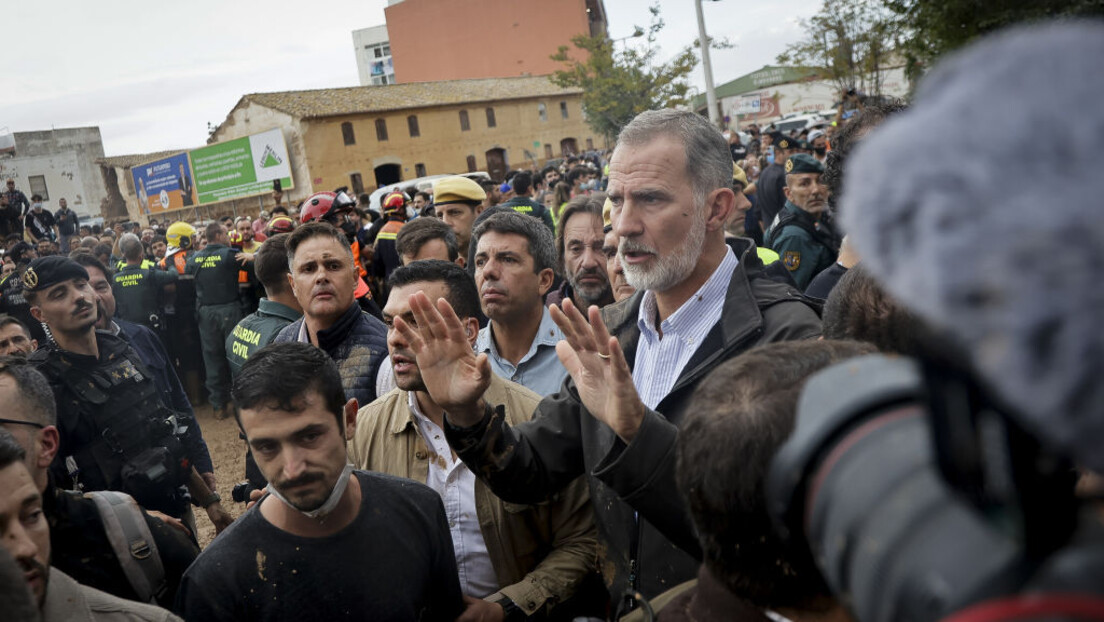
(180, 236)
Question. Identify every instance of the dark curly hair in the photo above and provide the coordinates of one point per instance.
(860, 308)
(844, 141)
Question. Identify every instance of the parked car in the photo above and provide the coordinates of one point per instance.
(800, 122)
(410, 186)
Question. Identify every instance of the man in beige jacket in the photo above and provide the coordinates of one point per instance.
(515, 561)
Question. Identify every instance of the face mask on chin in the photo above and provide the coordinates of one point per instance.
(323, 510)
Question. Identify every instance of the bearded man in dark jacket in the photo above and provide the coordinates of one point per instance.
(616, 417)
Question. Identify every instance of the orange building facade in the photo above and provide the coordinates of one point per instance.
(461, 39)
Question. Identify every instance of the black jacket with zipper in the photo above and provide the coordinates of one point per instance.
(646, 538)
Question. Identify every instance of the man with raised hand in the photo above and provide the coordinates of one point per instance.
(616, 417)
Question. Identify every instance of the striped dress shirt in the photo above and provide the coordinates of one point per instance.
(659, 360)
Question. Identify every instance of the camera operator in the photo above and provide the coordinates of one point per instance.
(942, 488)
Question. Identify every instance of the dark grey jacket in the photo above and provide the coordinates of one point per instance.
(357, 342)
(655, 549)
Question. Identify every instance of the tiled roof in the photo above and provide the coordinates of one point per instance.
(134, 159)
(360, 99)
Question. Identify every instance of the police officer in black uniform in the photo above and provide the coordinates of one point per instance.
(800, 235)
(115, 432)
(80, 544)
(138, 288)
(12, 301)
(218, 300)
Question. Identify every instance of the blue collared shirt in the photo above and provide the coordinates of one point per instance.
(659, 360)
(540, 370)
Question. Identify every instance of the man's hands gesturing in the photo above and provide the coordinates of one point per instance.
(598, 366)
(453, 375)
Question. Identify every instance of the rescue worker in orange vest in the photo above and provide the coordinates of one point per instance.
(332, 207)
(385, 257)
(182, 328)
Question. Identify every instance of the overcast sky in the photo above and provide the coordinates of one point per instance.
(152, 75)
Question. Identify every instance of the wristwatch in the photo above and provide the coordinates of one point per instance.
(207, 501)
(513, 612)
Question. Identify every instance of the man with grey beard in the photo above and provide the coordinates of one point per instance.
(579, 248)
(616, 417)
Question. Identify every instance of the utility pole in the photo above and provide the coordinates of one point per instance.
(703, 43)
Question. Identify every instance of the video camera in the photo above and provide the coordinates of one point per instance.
(922, 499)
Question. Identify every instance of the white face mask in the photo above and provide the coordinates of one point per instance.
(331, 502)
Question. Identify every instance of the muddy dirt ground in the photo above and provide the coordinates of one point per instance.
(228, 454)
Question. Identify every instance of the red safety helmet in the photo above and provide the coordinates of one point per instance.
(325, 206)
(393, 202)
(280, 224)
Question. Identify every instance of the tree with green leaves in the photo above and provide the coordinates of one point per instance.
(620, 84)
(936, 27)
(850, 42)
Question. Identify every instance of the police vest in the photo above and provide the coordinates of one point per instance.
(136, 448)
(146, 264)
(787, 217)
(136, 296)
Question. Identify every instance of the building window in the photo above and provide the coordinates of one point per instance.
(590, 144)
(419, 170)
(563, 109)
(38, 186)
(547, 151)
(357, 183)
(471, 164)
(387, 50)
(412, 123)
(465, 125)
(542, 111)
(491, 118)
(378, 52)
(347, 133)
(381, 130)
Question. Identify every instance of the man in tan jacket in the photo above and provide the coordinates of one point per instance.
(515, 561)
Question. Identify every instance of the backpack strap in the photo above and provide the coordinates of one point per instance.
(133, 543)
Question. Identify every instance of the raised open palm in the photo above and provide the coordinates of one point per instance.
(598, 366)
(454, 375)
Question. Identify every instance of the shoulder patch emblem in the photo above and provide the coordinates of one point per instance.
(792, 260)
(30, 279)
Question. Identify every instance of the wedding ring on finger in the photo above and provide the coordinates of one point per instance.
(602, 356)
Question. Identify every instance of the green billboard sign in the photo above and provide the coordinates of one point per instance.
(241, 167)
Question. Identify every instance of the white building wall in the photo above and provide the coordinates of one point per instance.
(66, 159)
(800, 97)
(373, 55)
(62, 176)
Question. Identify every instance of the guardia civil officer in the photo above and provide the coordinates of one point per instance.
(12, 301)
(115, 432)
(219, 304)
(258, 329)
(278, 309)
(137, 287)
(799, 235)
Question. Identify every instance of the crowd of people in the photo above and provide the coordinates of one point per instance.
(553, 398)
